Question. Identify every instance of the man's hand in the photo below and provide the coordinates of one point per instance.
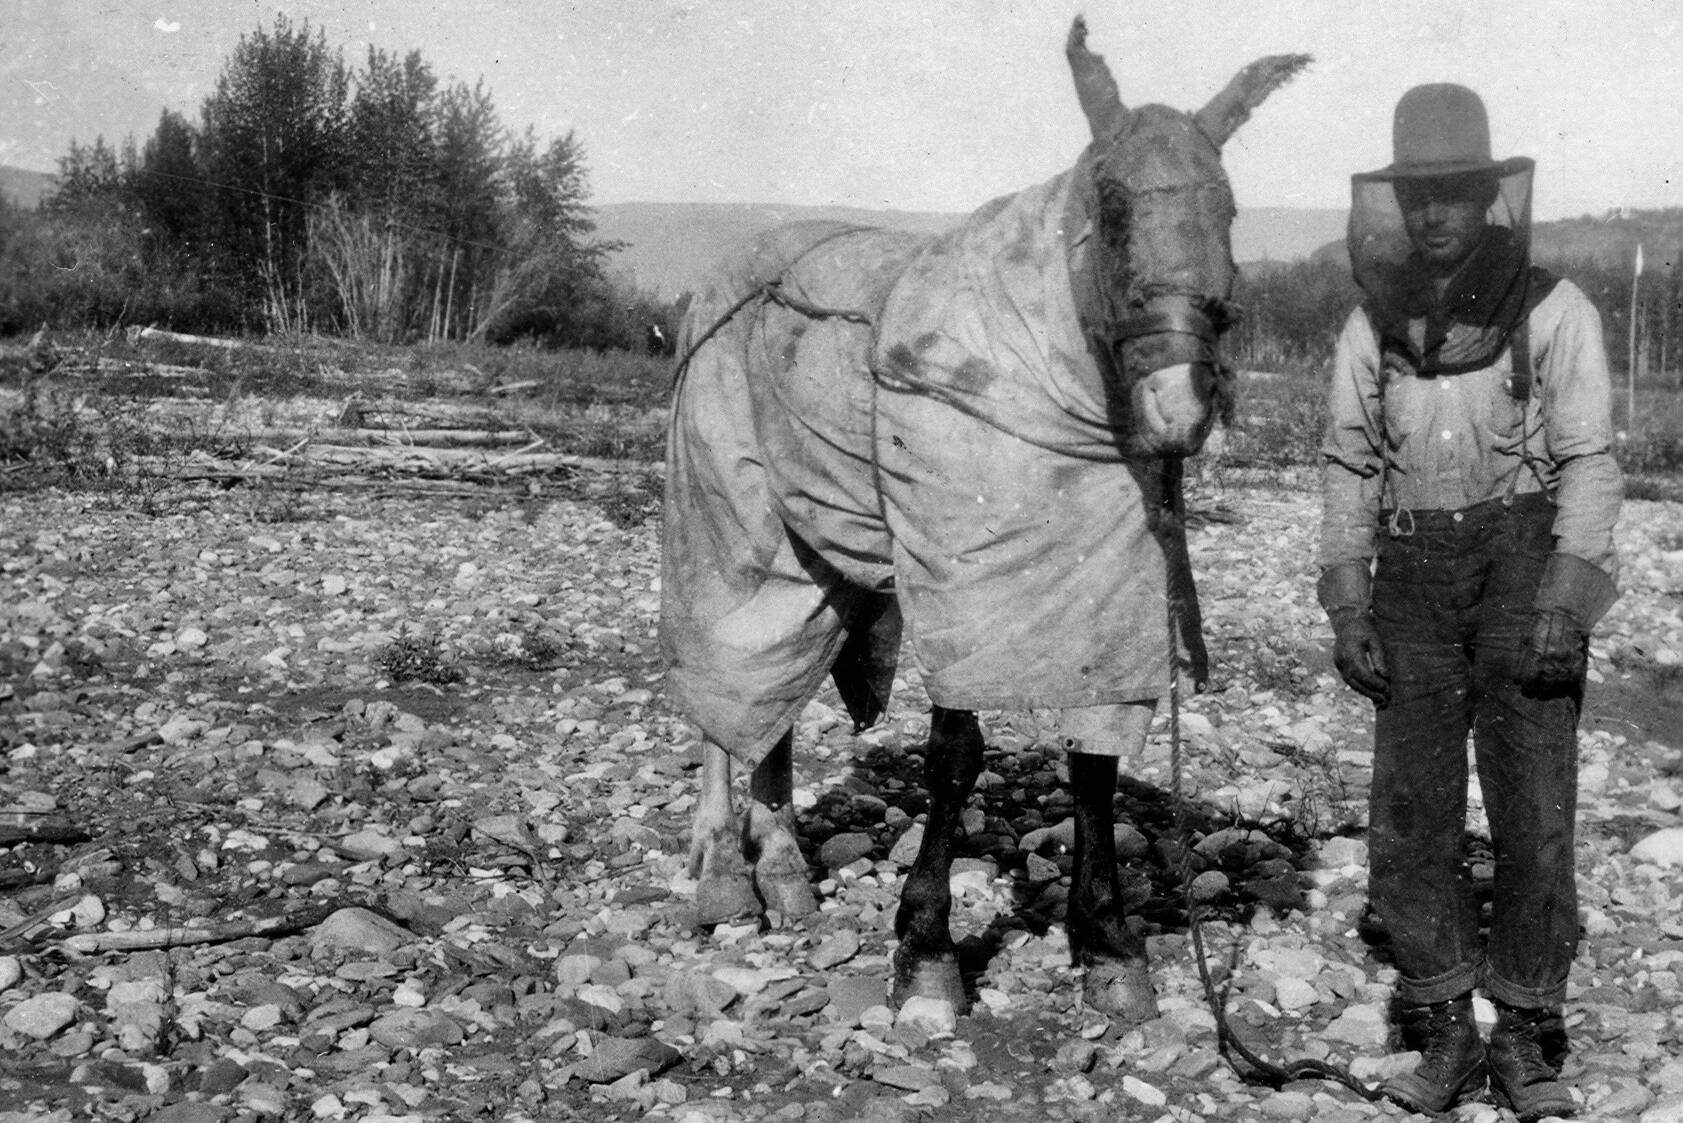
(1360, 657)
(1557, 655)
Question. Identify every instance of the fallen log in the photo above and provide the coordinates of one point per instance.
(55, 831)
(173, 936)
(393, 436)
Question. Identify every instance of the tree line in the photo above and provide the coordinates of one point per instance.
(374, 202)
(1292, 312)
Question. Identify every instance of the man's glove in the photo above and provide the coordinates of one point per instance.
(1558, 654)
(1345, 591)
(1572, 596)
(1360, 657)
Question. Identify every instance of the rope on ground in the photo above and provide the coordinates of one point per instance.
(1256, 1069)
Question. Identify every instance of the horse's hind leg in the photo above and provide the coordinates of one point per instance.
(926, 963)
(1117, 980)
(725, 891)
(779, 867)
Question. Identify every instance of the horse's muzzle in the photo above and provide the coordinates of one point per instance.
(1175, 406)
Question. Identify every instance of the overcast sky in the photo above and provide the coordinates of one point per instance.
(934, 106)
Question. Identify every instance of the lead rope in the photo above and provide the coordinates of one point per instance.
(1260, 1070)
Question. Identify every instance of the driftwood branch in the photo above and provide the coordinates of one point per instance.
(58, 831)
(172, 936)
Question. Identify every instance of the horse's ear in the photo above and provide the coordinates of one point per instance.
(1094, 86)
(1232, 107)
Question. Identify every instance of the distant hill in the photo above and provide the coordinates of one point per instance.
(23, 187)
(672, 247)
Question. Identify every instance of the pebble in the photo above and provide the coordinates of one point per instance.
(370, 845)
(1362, 1025)
(415, 1029)
(840, 849)
(904, 851)
(1148, 1094)
(612, 1058)
(834, 950)
(354, 929)
(1662, 848)
(11, 970)
(43, 1015)
(852, 995)
(1668, 1110)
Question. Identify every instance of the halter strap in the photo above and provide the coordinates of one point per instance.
(1175, 314)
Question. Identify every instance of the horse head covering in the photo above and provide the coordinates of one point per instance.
(1440, 137)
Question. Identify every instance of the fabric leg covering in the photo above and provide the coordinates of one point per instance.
(1453, 603)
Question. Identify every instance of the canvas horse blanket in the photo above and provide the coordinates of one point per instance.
(921, 416)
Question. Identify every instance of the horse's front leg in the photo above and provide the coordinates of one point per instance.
(1117, 980)
(926, 962)
(779, 867)
(725, 891)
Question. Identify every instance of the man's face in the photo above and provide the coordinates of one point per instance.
(1445, 217)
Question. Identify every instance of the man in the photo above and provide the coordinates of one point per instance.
(1466, 552)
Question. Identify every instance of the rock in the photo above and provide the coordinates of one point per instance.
(1148, 1094)
(1668, 1110)
(370, 845)
(1363, 1026)
(1662, 848)
(697, 994)
(137, 1009)
(905, 848)
(612, 1058)
(1338, 852)
(933, 1016)
(1208, 885)
(834, 950)
(1288, 1105)
(1075, 1056)
(909, 1078)
(262, 1098)
(42, 1016)
(1061, 836)
(224, 1074)
(415, 1029)
(840, 849)
(355, 929)
(746, 981)
(1130, 843)
(1294, 995)
(11, 970)
(191, 1113)
(852, 995)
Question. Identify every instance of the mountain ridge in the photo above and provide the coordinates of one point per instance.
(671, 248)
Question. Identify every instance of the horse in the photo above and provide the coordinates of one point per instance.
(975, 437)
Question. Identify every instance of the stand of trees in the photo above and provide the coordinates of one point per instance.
(1294, 311)
(309, 196)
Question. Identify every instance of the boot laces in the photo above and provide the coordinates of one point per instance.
(1444, 1051)
(1524, 1034)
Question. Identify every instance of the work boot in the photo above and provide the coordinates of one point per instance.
(1525, 1048)
(1451, 1068)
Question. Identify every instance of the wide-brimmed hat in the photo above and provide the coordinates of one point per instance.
(1441, 129)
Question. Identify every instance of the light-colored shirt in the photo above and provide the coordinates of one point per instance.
(1458, 440)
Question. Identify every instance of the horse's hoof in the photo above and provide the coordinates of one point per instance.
(721, 898)
(1120, 988)
(938, 978)
(787, 893)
